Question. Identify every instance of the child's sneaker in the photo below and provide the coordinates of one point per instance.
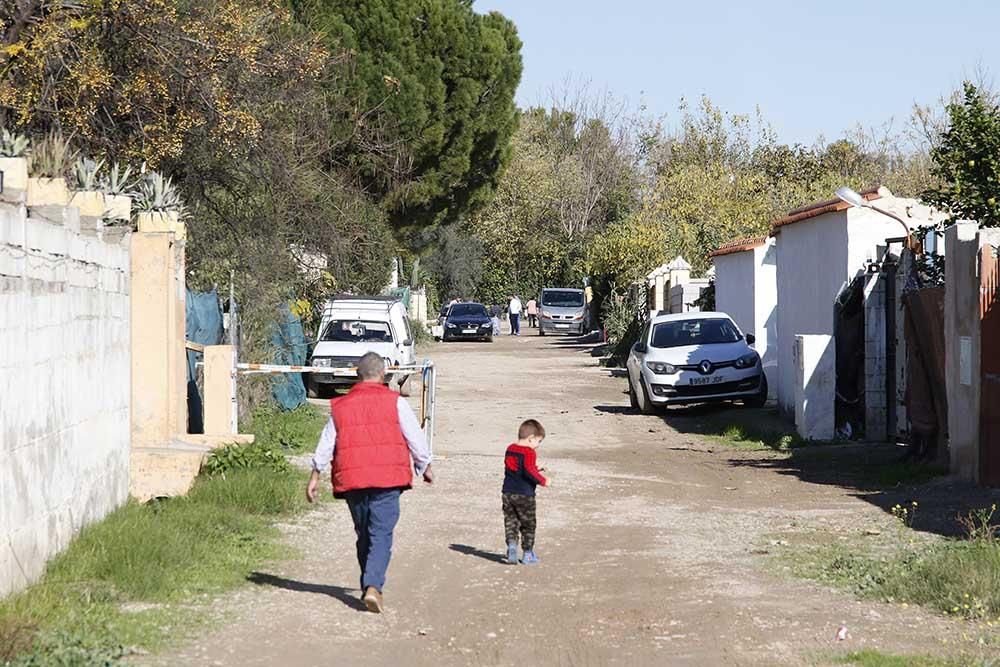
(530, 558)
(512, 553)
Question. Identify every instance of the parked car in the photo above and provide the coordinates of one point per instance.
(352, 326)
(562, 310)
(469, 321)
(694, 358)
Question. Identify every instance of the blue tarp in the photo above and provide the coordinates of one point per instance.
(291, 348)
(203, 324)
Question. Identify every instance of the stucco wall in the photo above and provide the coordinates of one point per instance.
(64, 383)
(765, 304)
(746, 289)
(735, 288)
(812, 267)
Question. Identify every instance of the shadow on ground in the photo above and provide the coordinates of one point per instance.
(478, 553)
(348, 596)
(879, 473)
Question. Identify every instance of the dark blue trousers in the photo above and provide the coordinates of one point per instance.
(375, 513)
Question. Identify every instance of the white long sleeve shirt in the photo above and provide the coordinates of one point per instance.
(408, 424)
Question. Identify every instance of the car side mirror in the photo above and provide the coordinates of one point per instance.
(641, 348)
(751, 339)
(408, 342)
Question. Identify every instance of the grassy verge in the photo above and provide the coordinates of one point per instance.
(142, 576)
(956, 577)
(292, 432)
(870, 658)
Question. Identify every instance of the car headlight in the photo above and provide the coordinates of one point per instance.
(486, 325)
(747, 361)
(578, 317)
(452, 325)
(544, 315)
(325, 362)
(661, 368)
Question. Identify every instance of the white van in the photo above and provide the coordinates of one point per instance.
(354, 325)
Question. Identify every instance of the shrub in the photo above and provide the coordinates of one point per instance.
(290, 431)
(255, 456)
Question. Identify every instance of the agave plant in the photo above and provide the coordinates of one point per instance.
(87, 172)
(52, 156)
(156, 193)
(118, 180)
(13, 144)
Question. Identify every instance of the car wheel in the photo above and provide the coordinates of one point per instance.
(404, 386)
(310, 385)
(760, 400)
(646, 406)
(633, 401)
(489, 339)
(541, 331)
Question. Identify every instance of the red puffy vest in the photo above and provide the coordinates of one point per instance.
(371, 452)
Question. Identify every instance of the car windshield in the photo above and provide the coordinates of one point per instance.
(467, 310)
(358, 331)
(709, 331)
(562, 298)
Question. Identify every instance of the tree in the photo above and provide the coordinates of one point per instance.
(438, 81)
(966, 160)
(455, 263)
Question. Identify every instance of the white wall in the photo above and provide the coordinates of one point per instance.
(735, 288)
(812, 267)
(746, 289)
(64, 383)
(765, 304)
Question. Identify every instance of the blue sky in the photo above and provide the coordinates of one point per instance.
(812, 67)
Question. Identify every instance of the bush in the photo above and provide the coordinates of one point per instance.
(255, 456)
(289, 431)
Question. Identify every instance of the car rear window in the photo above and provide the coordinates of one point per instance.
(467, 310)
(358, 331)
(694, 332)
(562, 298)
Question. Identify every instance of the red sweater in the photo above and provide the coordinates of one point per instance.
(521, 474)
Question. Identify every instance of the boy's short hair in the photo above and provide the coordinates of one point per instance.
(529, 428)
(371, 366)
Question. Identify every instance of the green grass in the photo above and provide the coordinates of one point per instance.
(292, 431)
(872, 658)
(131, 579)
(959, 578)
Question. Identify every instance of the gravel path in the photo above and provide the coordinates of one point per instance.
(651, 544)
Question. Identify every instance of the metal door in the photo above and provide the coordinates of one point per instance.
(989, 405)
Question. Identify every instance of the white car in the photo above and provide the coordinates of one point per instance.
(694, 358)
(352, 326)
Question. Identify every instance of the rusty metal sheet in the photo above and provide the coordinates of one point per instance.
(989, 406)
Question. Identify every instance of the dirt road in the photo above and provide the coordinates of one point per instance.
(650, 539)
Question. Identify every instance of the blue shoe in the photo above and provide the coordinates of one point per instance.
(530, 558)
(512, 553)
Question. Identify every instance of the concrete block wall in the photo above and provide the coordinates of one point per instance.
(64, 384)
(876, 412)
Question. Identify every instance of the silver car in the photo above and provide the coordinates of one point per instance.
(694, 358)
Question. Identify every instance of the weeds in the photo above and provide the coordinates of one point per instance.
(959, 578)
(292, 432)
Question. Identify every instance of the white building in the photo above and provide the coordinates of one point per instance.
(746, 289)
(820, 248)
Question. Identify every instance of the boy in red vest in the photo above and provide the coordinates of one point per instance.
(521, 476)
(369, 442)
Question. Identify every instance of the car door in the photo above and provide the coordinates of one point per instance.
(637, 356)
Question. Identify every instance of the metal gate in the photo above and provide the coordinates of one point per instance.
(989, 410)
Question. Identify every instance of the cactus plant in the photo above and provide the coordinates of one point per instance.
(87, 173)
(13, 144)
(52, 156)
(118, 180)
(156, 193)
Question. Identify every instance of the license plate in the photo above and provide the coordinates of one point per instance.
(468, 331)
(709, 380)
(562, 326)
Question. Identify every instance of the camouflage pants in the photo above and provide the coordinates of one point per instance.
(519, 518)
